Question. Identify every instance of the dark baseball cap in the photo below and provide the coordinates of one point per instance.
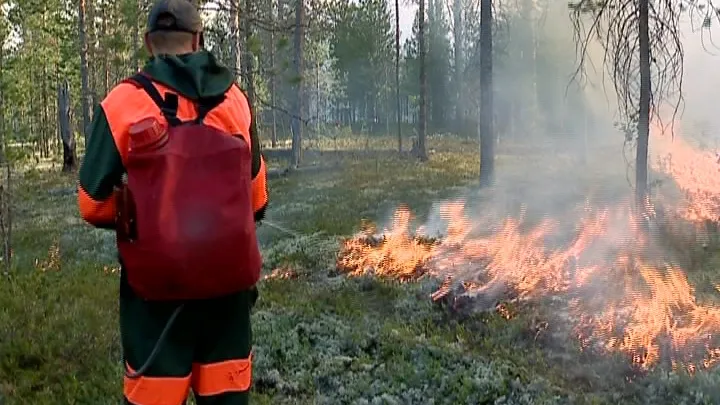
(174, 15)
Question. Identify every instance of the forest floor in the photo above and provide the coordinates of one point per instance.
(320, 337)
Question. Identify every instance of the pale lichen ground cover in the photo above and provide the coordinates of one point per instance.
(321, 337)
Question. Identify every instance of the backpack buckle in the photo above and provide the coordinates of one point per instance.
(169, 109)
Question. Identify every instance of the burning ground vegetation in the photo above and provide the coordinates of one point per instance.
(618, 279)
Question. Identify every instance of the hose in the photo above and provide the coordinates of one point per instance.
(282, 228)
(163, 335)
(153, 354)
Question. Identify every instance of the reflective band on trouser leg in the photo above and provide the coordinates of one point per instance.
(156, 390)
(225, 376)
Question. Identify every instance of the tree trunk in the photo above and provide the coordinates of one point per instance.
(5, 212)
(2, 105)
(248, 59)
(84, 88)
(535, 87)
(92, 52)
(298, 107)
(422, 124)
(388, 101)
(45, 116)
(317, 95)
(235, 63)
(105, 54)
(459, 65)
(487, 136)
(643, 124)
(586, 130)
(66, 135)
(397, 75)
(273, 74)
(136, 36)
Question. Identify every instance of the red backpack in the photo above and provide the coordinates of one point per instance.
(185, 226)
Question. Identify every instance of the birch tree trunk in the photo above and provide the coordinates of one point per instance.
(84, 87)
(235, 42)
(248, 59)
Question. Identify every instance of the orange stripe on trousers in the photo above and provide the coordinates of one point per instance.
(156, 390)
(225, 376)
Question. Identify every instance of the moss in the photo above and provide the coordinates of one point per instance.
(321, 338)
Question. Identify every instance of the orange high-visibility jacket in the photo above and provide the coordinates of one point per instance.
(107, 148)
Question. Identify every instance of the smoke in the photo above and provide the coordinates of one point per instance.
(700, 119)
(560, 221)
(610, 279)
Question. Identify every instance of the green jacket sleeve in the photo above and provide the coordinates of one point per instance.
(101, 170)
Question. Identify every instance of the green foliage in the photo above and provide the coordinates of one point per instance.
(63, 349)
(309, 253)
(47, 53)
(361, 50)
(438, 68)
(348, 58)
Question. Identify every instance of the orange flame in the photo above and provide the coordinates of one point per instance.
(398, 253)
(697, 174)
(621, 299)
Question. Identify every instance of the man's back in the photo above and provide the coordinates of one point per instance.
(170, 346)
(191, 76)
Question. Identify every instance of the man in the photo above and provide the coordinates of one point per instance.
(173, 345)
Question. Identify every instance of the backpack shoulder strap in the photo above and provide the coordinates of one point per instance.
(205, 105)
(167, 106)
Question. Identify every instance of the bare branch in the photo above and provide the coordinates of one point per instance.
(614, 27)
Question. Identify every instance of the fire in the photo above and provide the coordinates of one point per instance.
(621, 292)
(395, 253)
(696, 173)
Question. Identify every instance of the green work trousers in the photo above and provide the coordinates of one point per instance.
(207, 349)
